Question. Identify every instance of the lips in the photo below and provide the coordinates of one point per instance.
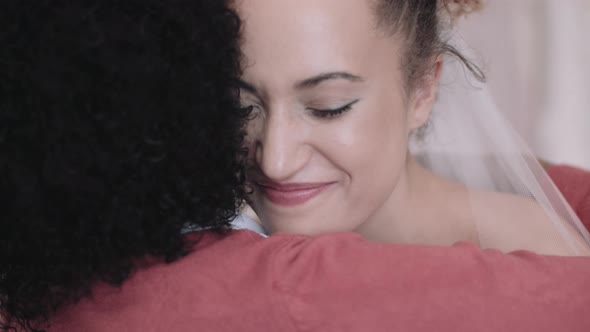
(292, 194)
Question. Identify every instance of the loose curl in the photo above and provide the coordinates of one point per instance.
(119, 127)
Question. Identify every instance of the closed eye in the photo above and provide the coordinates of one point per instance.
(330, 113)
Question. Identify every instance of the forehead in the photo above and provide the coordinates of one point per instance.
(295, 39)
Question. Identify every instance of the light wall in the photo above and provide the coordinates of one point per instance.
(537, 57)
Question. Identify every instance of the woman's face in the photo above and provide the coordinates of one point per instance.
(328, 141)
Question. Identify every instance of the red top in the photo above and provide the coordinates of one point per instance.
(340, 282)
(574, 184)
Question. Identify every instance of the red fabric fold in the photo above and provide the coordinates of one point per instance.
(574, 184)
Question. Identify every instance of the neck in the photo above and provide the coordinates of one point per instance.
(423, 208)
(389, 222)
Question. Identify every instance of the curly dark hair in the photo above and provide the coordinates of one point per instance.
(119, 127)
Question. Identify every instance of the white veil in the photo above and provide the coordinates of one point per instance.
(469, 140)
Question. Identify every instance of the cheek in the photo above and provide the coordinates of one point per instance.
(373, 136)
(370, 149)
(380, 155)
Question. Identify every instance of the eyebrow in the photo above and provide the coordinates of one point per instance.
(309, 82)
(318, 79)
(248, 87)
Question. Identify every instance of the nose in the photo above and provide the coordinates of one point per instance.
(280, 148)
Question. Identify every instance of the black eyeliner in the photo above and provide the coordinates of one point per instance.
(326, 113)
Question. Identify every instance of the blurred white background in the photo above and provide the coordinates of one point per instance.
(536, 54)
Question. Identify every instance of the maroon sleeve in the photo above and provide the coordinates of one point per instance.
(574, 184)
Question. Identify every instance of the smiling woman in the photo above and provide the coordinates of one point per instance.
(339, 88)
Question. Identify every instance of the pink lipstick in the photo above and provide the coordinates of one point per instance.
(291, 194)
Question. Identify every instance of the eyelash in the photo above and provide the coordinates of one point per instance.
(330, 113)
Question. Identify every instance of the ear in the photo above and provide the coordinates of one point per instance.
(424, 96)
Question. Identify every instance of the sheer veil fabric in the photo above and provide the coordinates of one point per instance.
(469, 141)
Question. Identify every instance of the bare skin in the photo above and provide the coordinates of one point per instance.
(331, 112)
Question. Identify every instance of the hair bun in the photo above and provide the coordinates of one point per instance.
(459, 8)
